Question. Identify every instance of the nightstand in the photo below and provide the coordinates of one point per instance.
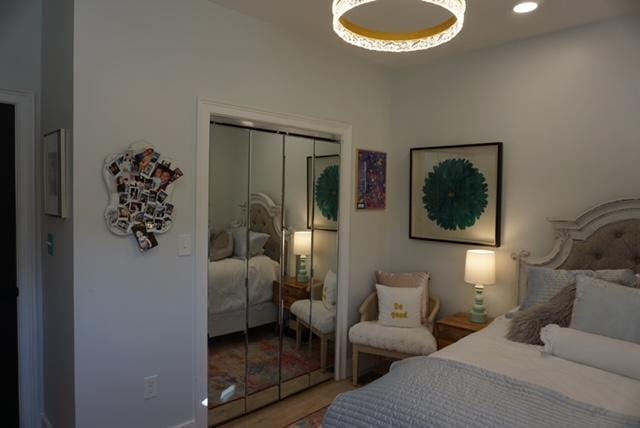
(294, 290)
(454, 327)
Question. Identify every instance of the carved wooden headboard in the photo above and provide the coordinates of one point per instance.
(265, 216)
(606, 236)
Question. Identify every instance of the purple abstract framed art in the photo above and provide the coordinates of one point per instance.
(372, 180)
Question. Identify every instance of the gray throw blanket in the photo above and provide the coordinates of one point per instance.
(434, 392)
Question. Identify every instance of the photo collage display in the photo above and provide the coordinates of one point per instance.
(143, 182)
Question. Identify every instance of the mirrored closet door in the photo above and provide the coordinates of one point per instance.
(273, 210)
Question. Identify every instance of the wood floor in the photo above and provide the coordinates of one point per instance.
(291, 409)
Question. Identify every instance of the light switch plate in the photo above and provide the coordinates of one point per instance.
(184, 245)
(150, 387)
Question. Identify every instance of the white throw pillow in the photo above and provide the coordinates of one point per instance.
(606, 309)
(605, 353)
(399, 306)
(330, 290)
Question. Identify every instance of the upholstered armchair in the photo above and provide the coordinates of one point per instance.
(370, 337)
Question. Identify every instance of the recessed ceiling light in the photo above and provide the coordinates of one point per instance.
(525, 7)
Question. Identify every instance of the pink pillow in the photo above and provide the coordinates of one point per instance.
(415, 279)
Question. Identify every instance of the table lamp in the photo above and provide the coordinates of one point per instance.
(480, 270)
(302, 248)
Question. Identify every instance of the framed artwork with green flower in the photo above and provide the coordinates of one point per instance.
(323, 192)
(456, 194)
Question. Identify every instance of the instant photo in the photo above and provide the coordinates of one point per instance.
(146, 240)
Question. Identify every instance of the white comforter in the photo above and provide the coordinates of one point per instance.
(489, 349)
(226, 283)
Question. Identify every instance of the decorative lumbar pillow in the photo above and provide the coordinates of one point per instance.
(606, 309)
(257, 241)
(399, 306)
(605, 353)
(415, 279)
(330, 290)
(220, 245)
(526, 325)
(543, 283)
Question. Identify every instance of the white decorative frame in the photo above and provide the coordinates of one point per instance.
(112, 207)
(568, 231)
(206, 108)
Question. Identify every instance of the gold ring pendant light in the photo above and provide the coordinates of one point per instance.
(383, 41)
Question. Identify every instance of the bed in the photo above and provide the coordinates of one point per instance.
(485, 380)
(226, 285)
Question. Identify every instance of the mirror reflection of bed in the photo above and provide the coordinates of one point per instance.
(270, 332)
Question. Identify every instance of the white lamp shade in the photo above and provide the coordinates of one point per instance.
(480, 267)
(302, 243)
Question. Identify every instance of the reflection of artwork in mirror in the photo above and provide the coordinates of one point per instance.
(372, 180)
(54, 173)
(326, 188)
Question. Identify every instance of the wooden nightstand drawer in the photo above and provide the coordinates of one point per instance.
(292, 291)
(454, 327)
(295, 292)
(451, 334)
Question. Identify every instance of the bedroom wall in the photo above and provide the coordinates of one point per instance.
(57, 270)
(139, 67)
(228, 175)
(566, 107)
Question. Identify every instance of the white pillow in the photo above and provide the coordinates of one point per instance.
(605, 353)
(257, 241)
(606, 309)
(330, 290)
(399, 306)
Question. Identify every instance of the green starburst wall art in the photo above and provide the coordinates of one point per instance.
(455, 193)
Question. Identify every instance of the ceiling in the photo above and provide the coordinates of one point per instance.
(487, 22)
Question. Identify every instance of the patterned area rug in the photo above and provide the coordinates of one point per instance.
(314, 420)
(227, 364)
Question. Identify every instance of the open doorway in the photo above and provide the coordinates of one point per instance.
(19, 306)
(9, 289)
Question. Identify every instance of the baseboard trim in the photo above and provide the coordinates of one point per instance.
(45, 421)
(188, 424)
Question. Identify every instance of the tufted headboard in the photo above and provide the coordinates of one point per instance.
(605, 237)
(266, 216)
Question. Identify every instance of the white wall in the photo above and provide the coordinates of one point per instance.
(57, 270)
(566, 107)
(228, 177)
(139, 67)
(20, 32)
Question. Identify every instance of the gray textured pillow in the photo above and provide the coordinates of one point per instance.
(526, 325)
(544, 283)
(607, 309)
(220, 245)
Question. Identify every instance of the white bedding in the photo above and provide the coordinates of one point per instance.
(489, 349)
(226, 283)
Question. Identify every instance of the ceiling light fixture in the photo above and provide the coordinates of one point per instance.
(384, 41)
(525, 7)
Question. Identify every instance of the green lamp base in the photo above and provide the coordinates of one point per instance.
(302, 275)
(479, 311)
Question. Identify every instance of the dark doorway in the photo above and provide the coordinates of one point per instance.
(9, 291)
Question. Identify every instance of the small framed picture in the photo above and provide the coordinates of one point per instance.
(55, 172)
(372, 180)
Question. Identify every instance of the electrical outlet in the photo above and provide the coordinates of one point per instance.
(150, 387)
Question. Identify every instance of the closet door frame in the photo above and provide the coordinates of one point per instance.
(206, 109)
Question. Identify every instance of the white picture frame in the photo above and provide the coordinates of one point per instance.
(54, 164)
